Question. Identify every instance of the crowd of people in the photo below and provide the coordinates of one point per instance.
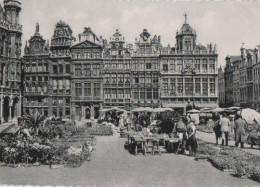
(223, 127)
(185, 129)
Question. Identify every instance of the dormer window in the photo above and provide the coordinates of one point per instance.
(187, 45)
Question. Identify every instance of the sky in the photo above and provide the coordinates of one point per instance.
(226, 23)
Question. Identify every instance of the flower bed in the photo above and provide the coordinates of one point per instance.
(100, 130)
(206, 129)
(48, 143)
(232, 159)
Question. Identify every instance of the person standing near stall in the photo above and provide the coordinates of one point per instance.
(225, 125)
(181, 129)
(216, 126)
(240, 130)
(191, 142)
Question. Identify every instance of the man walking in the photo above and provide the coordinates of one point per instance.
(240, 130)
(225, 125)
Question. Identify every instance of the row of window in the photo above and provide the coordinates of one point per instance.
(189, 89)
(117, 78)
(87, 70)
(117, 93)
(39, 78)
(141, 65)
(143, 93)
(87, 88)
(119, 66)
(61, 84)
(89, 55)
(145, 79)
(61, 68)
(43, 89)
(35, 68)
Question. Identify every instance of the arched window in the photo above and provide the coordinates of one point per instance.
(60, 68)
(55, 69)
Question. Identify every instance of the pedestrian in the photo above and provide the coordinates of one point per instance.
(225, 125)
(240, 130)
(181, 130)
(191, 143)
(216, 126)
(121, 122)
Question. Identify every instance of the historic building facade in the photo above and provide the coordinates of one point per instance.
(60, 70)
(10, 61)
(70, 79)
(242, 79)
(87, 80)
(117, 72)
(145, 71)
(36, 67)
(188, 72)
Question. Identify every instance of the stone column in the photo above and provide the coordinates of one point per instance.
(92, 111)
(183, 86)
(2, 109)
(19, 108)
(11, 102)
(208, 86)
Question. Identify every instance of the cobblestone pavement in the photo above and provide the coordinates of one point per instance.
(112, 165)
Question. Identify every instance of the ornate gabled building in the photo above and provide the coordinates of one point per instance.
(10, 60)
(145, 71)
(60, 70)
(242, 79)
(36, 66)
(188, 72)
(87, 81)
(76, 80)
(117, 72)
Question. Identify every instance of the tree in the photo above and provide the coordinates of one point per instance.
(168, 119)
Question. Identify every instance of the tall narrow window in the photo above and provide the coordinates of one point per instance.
(197, 85)
(87, 89)
(165, 86)
(60, 68)
(149, 93)
(142, 93)
(67, 68)
(155, 93)
(96, 89)
(55, 69)
(172, 85)
(55, 84)
(180, 85)
(78, 89)
(204, 66)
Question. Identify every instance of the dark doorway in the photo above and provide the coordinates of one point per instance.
(14, 107)
(96, 109)
(87, 113)
(61, 113)
(6, 109)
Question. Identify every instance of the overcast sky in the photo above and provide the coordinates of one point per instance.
(226, 23)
